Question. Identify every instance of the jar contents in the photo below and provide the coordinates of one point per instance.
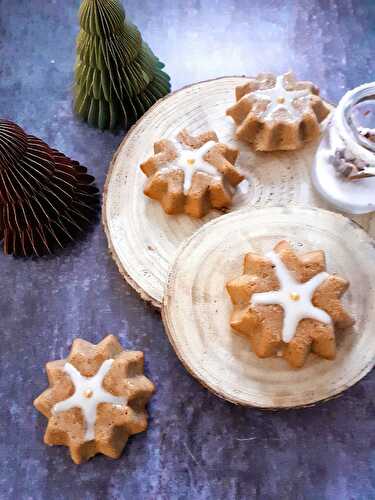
(367, 133)
(344, 167)
(349, 166)
(363, 120)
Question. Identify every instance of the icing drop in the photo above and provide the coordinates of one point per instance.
(89, 393)
(244, 186)
(279, 98)
(191, 161)
(294, 297)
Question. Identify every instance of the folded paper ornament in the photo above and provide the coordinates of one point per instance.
(46, 199)
(117, 76)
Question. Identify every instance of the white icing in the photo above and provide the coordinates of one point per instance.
(279, 98)
(298, 309)
(191, 161)
(89, 393)
(244, 186)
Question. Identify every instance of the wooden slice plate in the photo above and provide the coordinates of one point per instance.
(196, 307)
(142, 238)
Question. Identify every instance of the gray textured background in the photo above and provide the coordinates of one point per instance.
(197, 446)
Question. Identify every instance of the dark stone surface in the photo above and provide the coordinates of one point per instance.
(197, 446)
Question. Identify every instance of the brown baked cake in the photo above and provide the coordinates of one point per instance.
(192, 174)
(288, 305)
(96, 399)
(277, 113)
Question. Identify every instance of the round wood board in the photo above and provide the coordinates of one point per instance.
(142, 239)
(196, 307)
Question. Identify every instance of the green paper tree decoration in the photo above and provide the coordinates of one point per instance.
(117, 76)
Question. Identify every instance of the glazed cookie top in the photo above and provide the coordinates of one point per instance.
(294, 297)
(288, 304)
(279, 98)
(98, 391)
(192, 174)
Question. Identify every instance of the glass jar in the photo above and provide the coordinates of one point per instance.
(344, 167)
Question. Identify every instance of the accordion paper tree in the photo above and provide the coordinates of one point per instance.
(117, 76)
(46, 199)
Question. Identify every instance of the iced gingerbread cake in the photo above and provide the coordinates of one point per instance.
(277, 112)
(192, 174)
(96, 399)
(288, 305)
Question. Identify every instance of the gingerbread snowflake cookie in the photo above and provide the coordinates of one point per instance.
(288, 305)
(192, 174)
(277, 112)
(96, 399)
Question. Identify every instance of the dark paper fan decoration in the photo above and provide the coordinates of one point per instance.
(46, 199)
(117, 76)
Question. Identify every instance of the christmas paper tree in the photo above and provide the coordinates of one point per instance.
(46, 199)
(117, 76)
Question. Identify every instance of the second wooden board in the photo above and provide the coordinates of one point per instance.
(196, 309)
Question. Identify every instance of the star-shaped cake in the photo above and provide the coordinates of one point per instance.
(96, 399)
(288, 305)
(192, 174)
(277, 112)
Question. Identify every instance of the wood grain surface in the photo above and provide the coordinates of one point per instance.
(197, 308)
(144, 240)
